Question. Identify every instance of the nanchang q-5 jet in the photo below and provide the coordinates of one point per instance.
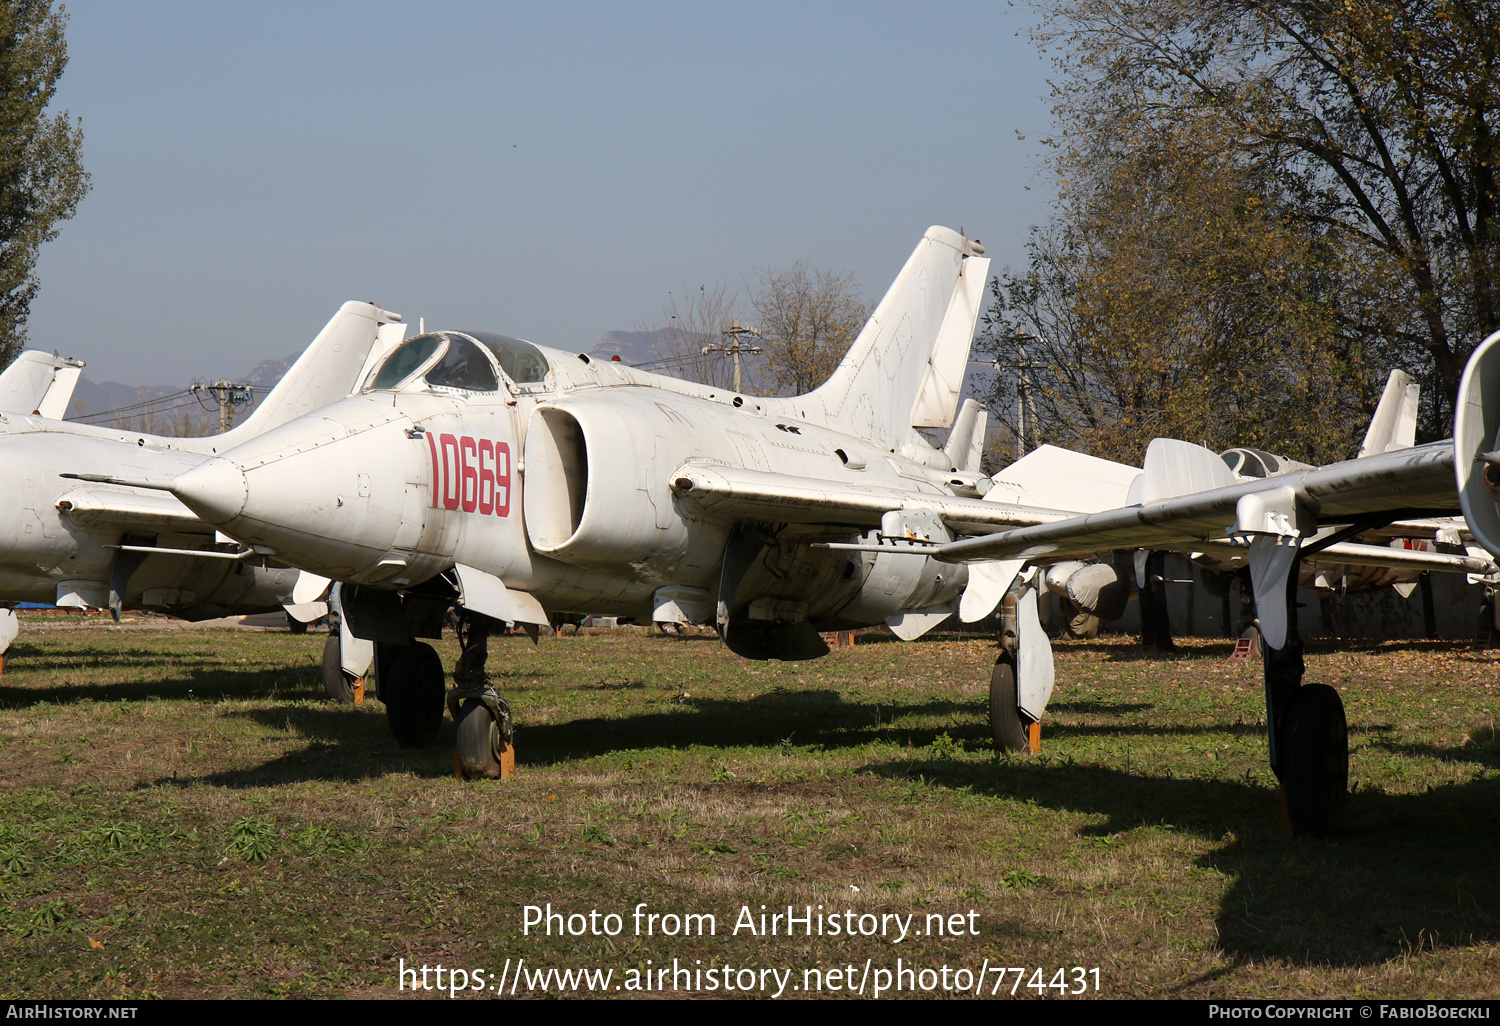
(513, 481)
(82, 542)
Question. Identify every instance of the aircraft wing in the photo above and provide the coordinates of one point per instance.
(1358, 554)
(1404, 483)
(730, 493)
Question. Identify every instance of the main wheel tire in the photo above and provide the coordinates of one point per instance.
(295, 625)
(1010, 727)
(478, 741)
(335, 681)
(1314, 760)
(414, 693)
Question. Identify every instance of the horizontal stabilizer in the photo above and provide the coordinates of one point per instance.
(1056, 478)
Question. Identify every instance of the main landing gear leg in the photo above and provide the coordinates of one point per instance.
(486, 736)
(1024, 665)
(1156, 622)
(1307, 732)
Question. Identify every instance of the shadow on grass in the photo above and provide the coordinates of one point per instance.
(817, 718)
(55, 658)
(297, 681)
(1403, 871)
(1099, 708)
(343, 744)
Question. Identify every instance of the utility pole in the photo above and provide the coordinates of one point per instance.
(227, 395)
(1023, 391)
(734, 347)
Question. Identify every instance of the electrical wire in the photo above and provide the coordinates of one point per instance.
(143, 406)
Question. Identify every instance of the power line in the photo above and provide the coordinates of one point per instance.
(142, 405)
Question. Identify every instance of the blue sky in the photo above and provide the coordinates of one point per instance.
(545, 170)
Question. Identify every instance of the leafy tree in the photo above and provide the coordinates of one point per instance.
(1293, 194)
(1168, 299)
(41, 176)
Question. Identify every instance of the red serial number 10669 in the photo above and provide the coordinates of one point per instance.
(470, 474)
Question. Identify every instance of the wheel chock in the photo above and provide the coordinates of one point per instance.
(507, 763)
(1244, 648)
(359, 691)
(1034, 737)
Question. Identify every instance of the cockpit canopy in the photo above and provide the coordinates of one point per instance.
(1248, 462)
(464, 360)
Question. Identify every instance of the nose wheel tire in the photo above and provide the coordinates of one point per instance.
(335, 681)
(481, 751)
(1314, 760)
(1010, 727)
(412, 688)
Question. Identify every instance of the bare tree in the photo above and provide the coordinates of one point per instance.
(692, 320)
(807, 319)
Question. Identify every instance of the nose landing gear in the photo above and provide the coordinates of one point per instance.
(485, 747)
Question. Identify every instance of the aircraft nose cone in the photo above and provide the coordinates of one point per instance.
(215, 490)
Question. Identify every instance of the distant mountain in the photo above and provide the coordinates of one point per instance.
(633, 347)
(183, 415)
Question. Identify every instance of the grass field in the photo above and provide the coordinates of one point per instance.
(182, 814)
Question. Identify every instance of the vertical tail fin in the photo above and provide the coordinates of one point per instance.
(1394, 425)
(38, 383)
(906, 368)
(965, 447)
(326, 371)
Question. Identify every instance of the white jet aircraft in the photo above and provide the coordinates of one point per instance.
(513, 481)
(1102, 588)
(1188, 501)
(85, 543)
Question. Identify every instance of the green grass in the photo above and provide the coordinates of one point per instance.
(182, 813)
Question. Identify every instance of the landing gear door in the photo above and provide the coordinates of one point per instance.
(1034, 671)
